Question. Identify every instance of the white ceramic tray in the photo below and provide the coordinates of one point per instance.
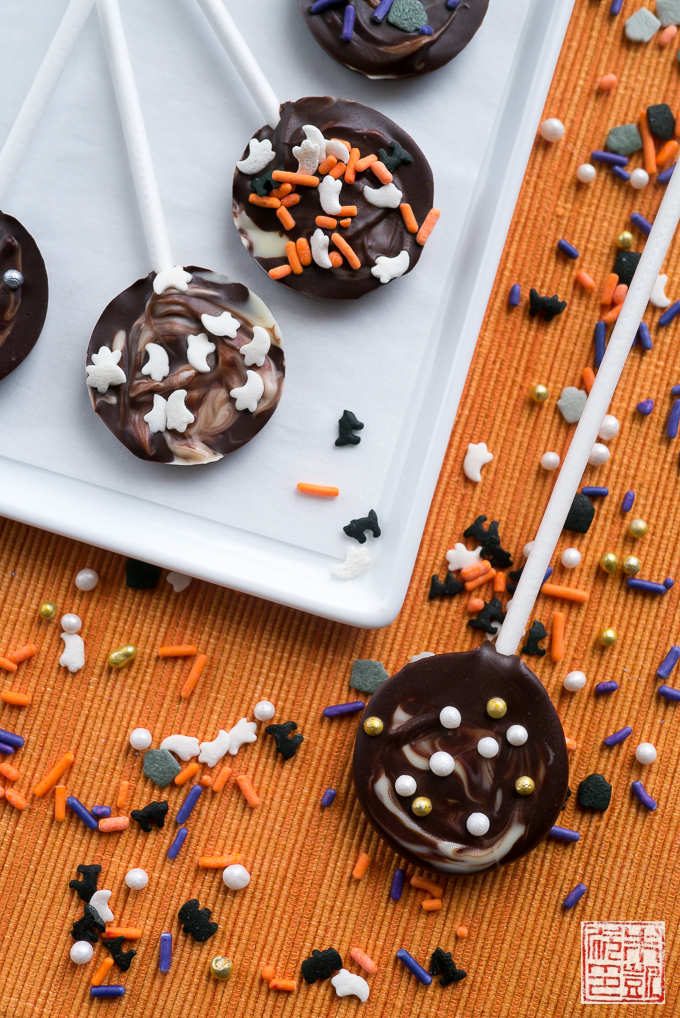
(398, 358)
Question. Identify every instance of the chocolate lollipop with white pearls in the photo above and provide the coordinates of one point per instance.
(451, 778)
(184, 366)
(330, 197)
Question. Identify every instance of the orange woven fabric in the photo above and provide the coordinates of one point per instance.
(522, 954)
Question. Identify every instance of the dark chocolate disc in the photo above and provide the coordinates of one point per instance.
(381, 246)
(409, 705)
(409, 38)
(23, 304)
(157, 360)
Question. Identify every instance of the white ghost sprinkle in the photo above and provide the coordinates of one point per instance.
(459, 557)
(212, 752)
(346, 983)
(157, 417)
(329, 195)
(319, 246)
(356, 561)
(158, 365)
(658, 296)
(260, 154)
(185, 746)
(248, 395)
(174, 278)
(307, 155)
(475, 458)
(316, 137)
(386, 197)
(178, 416)
(256, 351)
(221, 325)
(386, 269)
(178, 581)
(198, 349)
(100, 902)
(244, 731)
(104, 369)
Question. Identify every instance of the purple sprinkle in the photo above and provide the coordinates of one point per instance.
(669, 662)
(616, 7)
(6, 748)
(600, 336)
(673, 420)
(187, 806)
(180, 838)
(101, 812)
(645, 407)
(645, 798)
(514, 295)
(328, 797)
(628, 500)
(644, 336)
(642, 224)
(617, 737)
(426, 30)
(382, 10)
(452, 4)
(319, 6)
(566, 248)
(618, 171)
(412, 965)
(594, 492)
(76, 806)
(11, 739)
(578, 891)
(110, 990)
(607, 687)
(664, 177)
(397, 884)
(548, 574)
(675, 390)
(611, 158)
(668, 693)
(668, 583)
(337, 709)
(165, 952)
(348, 23)
(668, 316)
(564, 834)
(648, 586)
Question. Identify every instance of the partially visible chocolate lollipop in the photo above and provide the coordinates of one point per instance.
(393, 38)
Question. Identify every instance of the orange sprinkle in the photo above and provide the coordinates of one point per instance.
(8, 665)
(60, 802)
(292, 255)
(218, 862)
(608, 82)
(428, 226)
(129, 932)
(361, 866)
(462, 932)
(206, 780)
(346, 250)
(282, 191)
(348, 210)
(361, 958)
(557, 637)
(475, 604)
(109, 824)
(304, 179)
(648, 150)
(188, 772)
(566, 593)
(588, 376)
(16, 699)
(423, 884)
(571, 743)
(2, 793)
(23, 653)
(317, 489)
(363, 164)
(123, 789)
(619, 294)
(410, 221)
(327, 165)
(326, 222)
(283, 984)
(432, 904)
(473, 584)
(338, 170)
(610, 285)
(350, 172)
(611, 315)
(102, 972)
(499, 582)
(345, 222)
(304, 251)
(183, 650)
(221, 779)
(475, 570)
(53, 776)
(264, 203)
(279, 272)
(343, 142)
(664, 156)
(197, 666)
(286, 219)
(15, 799)
(248, 791)
(666, 37)
(292, 199)
(9, 771)
(335, 258)
(586, 280)
(381, 172)
(268, 972)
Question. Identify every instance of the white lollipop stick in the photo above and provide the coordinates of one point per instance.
(137, 143)
(585, 436)
(42, 88)
(243, 60)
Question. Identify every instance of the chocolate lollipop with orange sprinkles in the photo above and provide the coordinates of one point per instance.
(461, 761)
(330, 197)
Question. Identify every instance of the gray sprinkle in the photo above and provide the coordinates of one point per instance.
(571, 403)
(367, 675)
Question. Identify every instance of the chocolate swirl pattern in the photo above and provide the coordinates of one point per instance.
(409, 704)
(172, 323)
(22, 307)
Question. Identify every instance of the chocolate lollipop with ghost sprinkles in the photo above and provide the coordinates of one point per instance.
(461, 761)
(330, 197)
(184, 366)
(23, 278)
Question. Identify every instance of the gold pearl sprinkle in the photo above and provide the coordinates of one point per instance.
(538, 393)
(637, 528)
(496, 708)
(631, 565)
(122, 656)
(221, 968)
(608, 637)
(47, 610)
(625, 239)
(525, 785)
(373, 726)
(609, 562)
(421, 806)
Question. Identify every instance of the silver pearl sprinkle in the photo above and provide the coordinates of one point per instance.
(13, 279)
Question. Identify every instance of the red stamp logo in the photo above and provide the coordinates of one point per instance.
(622, 963)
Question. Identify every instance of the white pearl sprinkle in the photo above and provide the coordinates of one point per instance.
(264, 710)
(487, 747)
(441, 764)
(550, 461)
(136, 879)
(571, 557)
(574, 681)
(517, 735)
(236, 877)
(81, 952)
(450, 717)
(87, 579)
(526, 550)
(405, 785)
(586, 173)
(599, 455)
(639, 179)
(477, 824)
(140, 738)
(552, 129)
(71, 623)
(645, 753)
(609, 427)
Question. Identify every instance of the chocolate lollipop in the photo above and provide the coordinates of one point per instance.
(330, 197)
(393, 38)
(23, 278)
(184, 366)
(461, 761)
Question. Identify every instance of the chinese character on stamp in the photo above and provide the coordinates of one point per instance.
(622, 962)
